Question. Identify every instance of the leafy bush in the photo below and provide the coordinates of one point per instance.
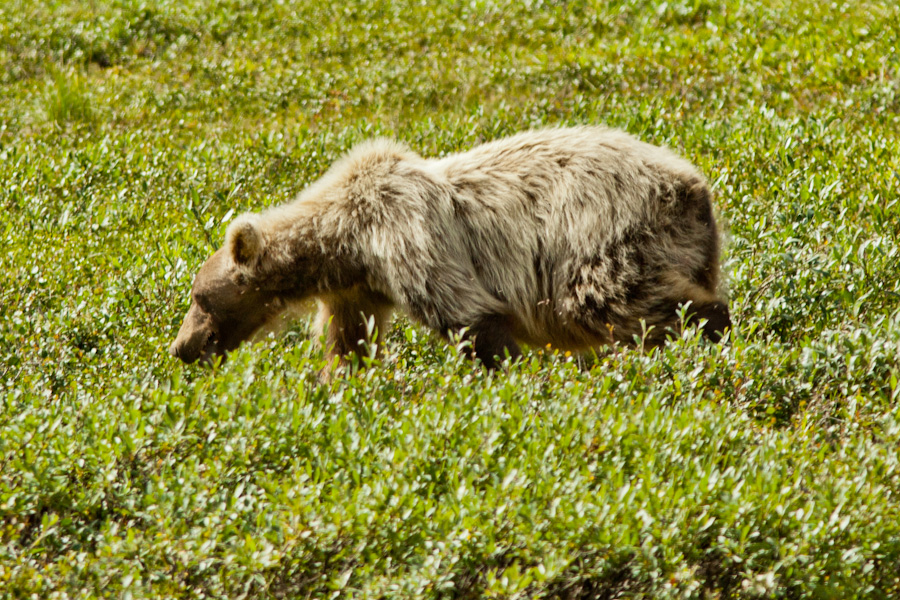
(131, 133)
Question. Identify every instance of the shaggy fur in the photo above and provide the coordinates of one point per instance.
(571, 237)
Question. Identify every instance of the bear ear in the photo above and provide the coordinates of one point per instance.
(244, 240)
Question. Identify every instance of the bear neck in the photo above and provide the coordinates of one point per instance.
(300, 262)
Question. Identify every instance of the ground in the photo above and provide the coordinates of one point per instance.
(766, 466)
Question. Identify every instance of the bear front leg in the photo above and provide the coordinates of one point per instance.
(491, 338)
(347, 323)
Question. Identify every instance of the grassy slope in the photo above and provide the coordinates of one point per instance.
(130, 132)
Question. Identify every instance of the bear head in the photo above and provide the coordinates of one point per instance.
(228, 304)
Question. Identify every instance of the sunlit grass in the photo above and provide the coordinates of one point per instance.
(764, 467)
(67, 98)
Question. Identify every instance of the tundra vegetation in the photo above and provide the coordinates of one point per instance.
(763, 467)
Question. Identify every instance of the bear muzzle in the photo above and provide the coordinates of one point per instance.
(196, 338)
(190, 351)
(187, 353)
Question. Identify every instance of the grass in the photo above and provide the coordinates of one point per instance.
(766, 467)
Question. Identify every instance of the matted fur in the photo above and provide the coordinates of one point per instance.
(572, 237)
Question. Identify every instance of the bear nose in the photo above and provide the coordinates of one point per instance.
(173, 350)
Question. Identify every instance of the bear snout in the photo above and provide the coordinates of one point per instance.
(179, 351)
(194, 337)
(203, 347)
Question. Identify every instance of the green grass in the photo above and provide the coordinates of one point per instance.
(766, 467)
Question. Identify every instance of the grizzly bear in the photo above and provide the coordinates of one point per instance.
(573, 237)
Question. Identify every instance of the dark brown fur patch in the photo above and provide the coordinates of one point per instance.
(664, 312)
(492, 340)
(718, 319)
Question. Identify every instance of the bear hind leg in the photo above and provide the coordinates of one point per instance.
(704, 306)
(718, 319)
(714, 314)
(491, 338)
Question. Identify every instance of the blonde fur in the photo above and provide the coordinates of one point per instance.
(572, 237)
